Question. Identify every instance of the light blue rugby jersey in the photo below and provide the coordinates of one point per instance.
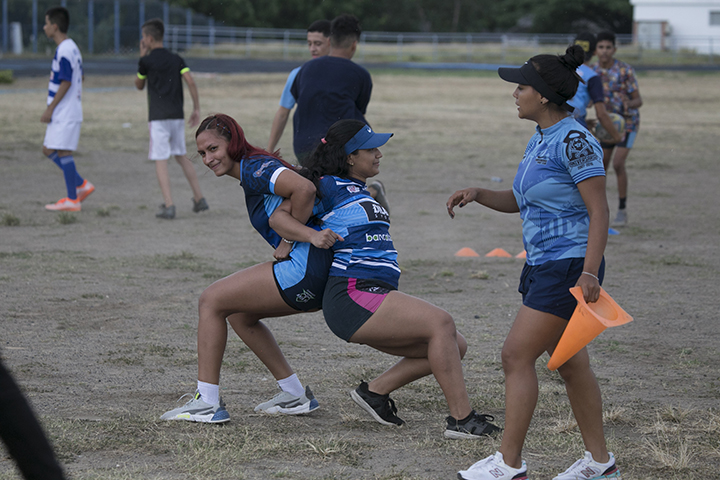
(555, 219)
(589, 92)
(347, 209)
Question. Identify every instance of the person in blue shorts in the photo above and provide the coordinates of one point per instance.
(361, 303)
(294, 283)
(622, 96)
(318, 41)
(559, 191)
(63, 113)
(590, 90)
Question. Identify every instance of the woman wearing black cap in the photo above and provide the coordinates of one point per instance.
(559, 191)
(361, 302)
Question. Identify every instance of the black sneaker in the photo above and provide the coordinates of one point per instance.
(474, 426)
(166, 212)
(200, 205)
(381, 407)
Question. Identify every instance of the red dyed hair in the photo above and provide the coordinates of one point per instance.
(238, 147)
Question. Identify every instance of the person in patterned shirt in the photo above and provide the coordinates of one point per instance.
(622, 96)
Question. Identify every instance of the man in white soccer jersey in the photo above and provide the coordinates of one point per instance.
(64, 110)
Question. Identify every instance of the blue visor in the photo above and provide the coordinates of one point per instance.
(366, 139)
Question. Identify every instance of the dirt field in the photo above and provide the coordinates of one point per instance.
(98, 311)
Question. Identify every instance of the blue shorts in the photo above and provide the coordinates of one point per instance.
(627, 142)
(301, 278)
(349, 303)
(546, 287)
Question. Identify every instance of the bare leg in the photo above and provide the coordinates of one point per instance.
(409, 327)
(586, 402)
(189, 171)
(607, 155)
(161, 169)
(532, 333)
(621, 154)
(242, 298)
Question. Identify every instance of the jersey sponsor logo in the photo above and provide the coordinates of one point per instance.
(375, 212)
(353, 188)
(378, 237)
(578, 150)
(304, 296)
(259, 172)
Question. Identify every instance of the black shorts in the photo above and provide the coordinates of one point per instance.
(546, 287)
(349, 302)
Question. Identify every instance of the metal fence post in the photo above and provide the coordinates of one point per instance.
(116, 19)
(399, 47)
(363, 39)
(5, 25)
(435, 48)
(34, 25)
(91, 25)
(468, 40)
(141, 17)
(188, 28)
(248, 42)
(710, 53)
(166, 13)
(286, 44)
(175, 39)
(211, 25)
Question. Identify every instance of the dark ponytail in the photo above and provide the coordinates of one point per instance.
(558, 71)
(329, 157)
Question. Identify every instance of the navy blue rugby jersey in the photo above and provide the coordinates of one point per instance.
(347, 209)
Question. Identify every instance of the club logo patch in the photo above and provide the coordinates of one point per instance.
(578, 150)
(259, 172)
(353, 189)
(375, 212)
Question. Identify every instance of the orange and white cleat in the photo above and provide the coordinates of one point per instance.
(84, 190)
(64, 205)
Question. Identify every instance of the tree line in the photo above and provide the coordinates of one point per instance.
(531, 16)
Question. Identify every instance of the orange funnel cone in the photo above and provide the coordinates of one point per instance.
(466, 252)
(522, 254)
(586, 323)
(498, 252)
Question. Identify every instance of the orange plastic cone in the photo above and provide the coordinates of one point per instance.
(522, 254)
(586, 323)
(466, 252)
(498, 252)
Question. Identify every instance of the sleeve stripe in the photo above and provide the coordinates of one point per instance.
(184, 70)
(141, 77)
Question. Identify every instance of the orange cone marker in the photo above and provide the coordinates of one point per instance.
(498, 252)
(586, 323)
(522, 254)
(466, 252)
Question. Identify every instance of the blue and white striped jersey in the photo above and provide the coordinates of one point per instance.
(555, 218)
(67, 65)
(347, 209)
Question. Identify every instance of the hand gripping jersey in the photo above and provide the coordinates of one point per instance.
(67, 65)
(301, 278)
(555, 219)
(347, 209)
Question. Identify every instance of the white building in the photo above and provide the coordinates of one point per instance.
(678, 24)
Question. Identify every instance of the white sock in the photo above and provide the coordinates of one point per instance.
(291, 385)
(208, 392)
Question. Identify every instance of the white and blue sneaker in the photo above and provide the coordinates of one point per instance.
(493, 468)
(285, 403)
(588, 469)
(197, 410)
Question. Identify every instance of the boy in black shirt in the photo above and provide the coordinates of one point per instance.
(164, 71)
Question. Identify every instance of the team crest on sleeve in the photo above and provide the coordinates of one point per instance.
(578, 150)
(259, 172)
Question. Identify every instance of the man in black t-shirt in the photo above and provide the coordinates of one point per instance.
(330, 88)
(164, 71)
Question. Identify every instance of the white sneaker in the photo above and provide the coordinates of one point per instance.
(198, 410)
(285, 403)
(621, 219)
(588, 469)
(494, 468)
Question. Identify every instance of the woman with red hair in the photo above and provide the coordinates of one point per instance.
(294, 283)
